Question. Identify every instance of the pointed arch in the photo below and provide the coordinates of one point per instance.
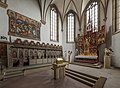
(75, 6)
(47, 9)
(72, 11)
(70, 26)
(54, 22)
(92, 16)
(53, 5)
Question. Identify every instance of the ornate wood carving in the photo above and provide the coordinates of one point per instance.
(22, 53)
(88, 43)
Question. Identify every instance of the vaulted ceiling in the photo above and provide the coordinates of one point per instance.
(64, 6)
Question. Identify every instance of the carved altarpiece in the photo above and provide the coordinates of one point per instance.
(87, 44)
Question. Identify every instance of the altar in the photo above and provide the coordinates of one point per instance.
(86, 57)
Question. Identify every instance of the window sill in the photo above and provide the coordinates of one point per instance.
(70, 42)
(54, 41)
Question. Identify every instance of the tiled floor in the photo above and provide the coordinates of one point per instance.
(112, 75)
(42, 79)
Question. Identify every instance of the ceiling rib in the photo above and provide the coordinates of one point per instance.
(75, 7)
(65, 5)
(44, 8)
(48, 8)
(40, 6)
(63, 8)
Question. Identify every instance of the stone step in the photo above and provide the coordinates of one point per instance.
(9, 73)
(97, 65)
(14, 69)
(87, 75)
(13, 75)
(82, 76)
(28, 67)
(14, 72)
(100, 83)
(80, 80)
(20, 71)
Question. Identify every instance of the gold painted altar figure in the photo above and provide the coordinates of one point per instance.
(86, 47)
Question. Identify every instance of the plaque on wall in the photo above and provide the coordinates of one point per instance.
(23, 26)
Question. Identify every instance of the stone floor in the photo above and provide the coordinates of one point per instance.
(43, 79)
(112, 75)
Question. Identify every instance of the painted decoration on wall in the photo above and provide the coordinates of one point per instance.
(23, 26)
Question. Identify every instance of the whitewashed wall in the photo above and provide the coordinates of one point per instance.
(116, 49)
(29, 8)
(3, 22)
(69, 46)
(45, 31)
(112, 41)
(115, 40)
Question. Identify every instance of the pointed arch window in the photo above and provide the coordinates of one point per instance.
(70, 27)
(53, 24)
(92, 17)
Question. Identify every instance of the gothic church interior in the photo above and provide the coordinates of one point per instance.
(59, 43)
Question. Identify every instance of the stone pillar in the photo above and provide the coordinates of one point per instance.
(107, 58)
(107, 61)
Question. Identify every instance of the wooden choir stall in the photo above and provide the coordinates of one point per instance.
(23, 53)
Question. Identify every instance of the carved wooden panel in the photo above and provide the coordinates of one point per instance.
(26, 57)
(24, 53)
(31, 54)
(21, 56)
(14, 57)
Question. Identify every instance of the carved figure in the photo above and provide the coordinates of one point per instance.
(86, 47)
(108, 51)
